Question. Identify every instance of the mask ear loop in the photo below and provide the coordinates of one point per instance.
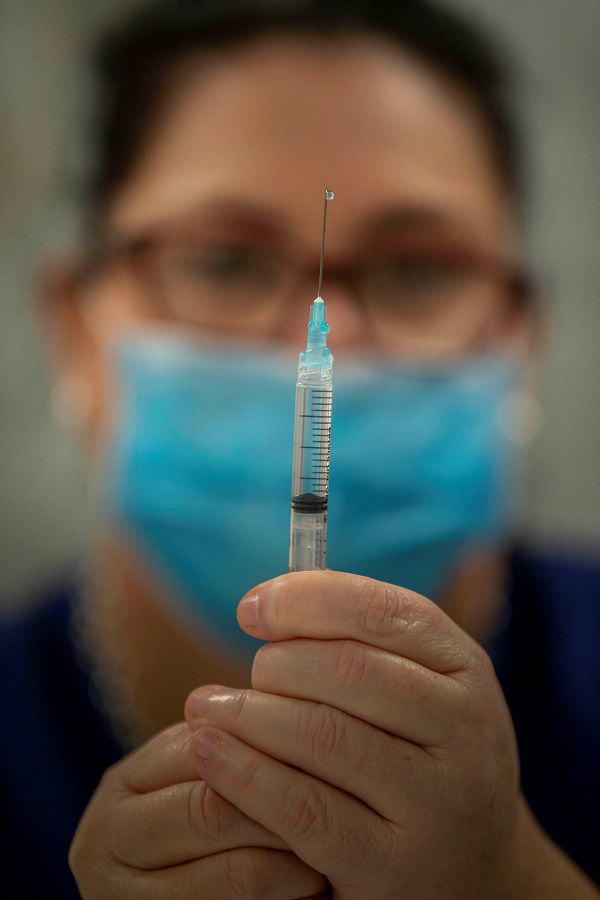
(522, 417)
(524, 414)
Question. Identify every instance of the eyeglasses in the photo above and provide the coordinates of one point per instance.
(423, 293)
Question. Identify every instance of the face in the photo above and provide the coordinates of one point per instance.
(227, 197)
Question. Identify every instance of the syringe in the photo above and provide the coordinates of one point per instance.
(312, 438)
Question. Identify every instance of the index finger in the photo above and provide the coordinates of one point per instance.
(162, 761)
(334, 605)
(164, 815)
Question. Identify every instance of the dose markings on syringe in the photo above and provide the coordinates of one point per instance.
(318, 425)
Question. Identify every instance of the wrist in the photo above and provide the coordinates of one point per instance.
(541, 870)
(526, 854)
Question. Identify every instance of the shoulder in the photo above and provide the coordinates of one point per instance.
(54, 744)
(554, 611)
(555, 595)
(548, 663)
(546, 655)
(34, 649)
(45, 687)
(553, 571)
(40, 623)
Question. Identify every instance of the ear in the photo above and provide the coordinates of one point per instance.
(535, 331)
(527, 328)
(72, 348)
(523, 415)
(59, 313)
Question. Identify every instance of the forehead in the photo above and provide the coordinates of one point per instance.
(270, 124)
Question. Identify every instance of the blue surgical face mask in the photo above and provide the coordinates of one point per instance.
(198, 475)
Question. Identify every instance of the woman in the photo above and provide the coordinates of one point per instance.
(374, 755)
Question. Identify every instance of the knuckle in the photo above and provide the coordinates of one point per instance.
(173, 737)
(285, 594)
(350, 664)
(387, 611)
(478, 669)
(95, 856)
(482, 662)
(95, 830)
(246, 873)
(305, 815)
(249, 778)
(380, 609)
(77, 855)
(271, 664)
(237, 705)
(209, 815)
(111, 777)
(322, 731)
(93, 873)
(125, 774)
(98, 884)
(262, 664)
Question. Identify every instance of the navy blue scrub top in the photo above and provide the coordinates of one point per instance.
(55, 744)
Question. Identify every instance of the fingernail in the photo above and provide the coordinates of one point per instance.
(248, 611)
(199, 699)
(206, 741)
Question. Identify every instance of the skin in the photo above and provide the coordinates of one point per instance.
(374, 729)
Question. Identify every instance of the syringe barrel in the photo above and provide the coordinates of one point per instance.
(310, 471)
(308, 541)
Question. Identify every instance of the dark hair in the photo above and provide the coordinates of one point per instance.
(135, 59)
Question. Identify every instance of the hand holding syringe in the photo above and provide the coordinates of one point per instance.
(312, 438)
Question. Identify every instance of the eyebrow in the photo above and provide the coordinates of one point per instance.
(260, 219)
(264, 222)
(410, 217)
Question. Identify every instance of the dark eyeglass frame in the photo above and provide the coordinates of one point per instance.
(103, 253)
(519, 283)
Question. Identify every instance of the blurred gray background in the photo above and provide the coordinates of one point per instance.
(42, 97)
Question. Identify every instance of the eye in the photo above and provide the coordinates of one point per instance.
(223, 266)
(421, 275)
